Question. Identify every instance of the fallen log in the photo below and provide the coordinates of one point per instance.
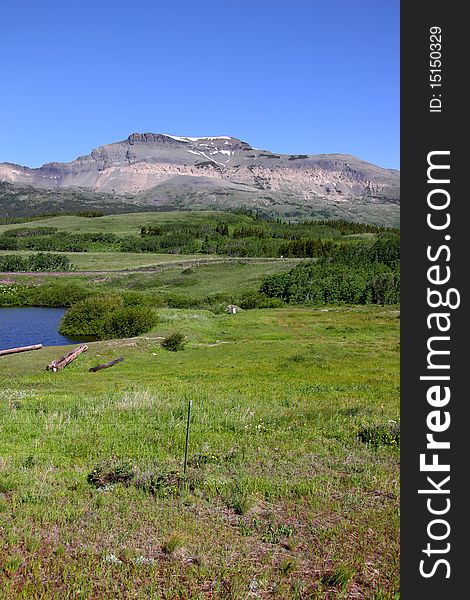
(106, 365)
(20, 349)
(63, 361)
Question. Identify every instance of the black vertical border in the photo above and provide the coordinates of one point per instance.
(423, 132)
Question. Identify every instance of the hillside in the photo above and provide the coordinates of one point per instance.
(278, 483)
(156, 171)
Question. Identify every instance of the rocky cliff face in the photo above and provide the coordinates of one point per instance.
(158, 169)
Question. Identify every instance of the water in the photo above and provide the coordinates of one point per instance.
(28, 326)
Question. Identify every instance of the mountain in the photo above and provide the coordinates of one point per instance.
(152, 171)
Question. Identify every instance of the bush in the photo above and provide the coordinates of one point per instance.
(56, 294)
(110, 472)
(134, 299)
(174, 342)
(160, 482)
(259, 300)
(35, 262)
(106, 317)
(87, 316)
(204, 458)
(382, 434)
(50, 294)
(47, 238)
(13, 263)
(338, 282)
(126, 322)
(176, 301)
(383, 287)
(352, 274)
(218, 298)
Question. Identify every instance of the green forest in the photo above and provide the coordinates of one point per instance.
(365, 274)
(248, 236)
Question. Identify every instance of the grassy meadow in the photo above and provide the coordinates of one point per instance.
(190, 285)
(115, 261)
(132, 261)
(127, 223)
(282, 497)
(131, 223)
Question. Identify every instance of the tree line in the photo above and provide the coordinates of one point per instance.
(311, 239)
(367, 274)
(11, 263)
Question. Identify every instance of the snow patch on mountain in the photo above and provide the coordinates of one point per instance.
(197, 139)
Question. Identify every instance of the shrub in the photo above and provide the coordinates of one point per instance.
(335, 282)
(352, 273)
(35, 262)
(129, 321)
(48, 294)
(133, 299)
(383, 288)
(218, 298)
(56, 294)
(177, 301)
(382, 434)
(49, 262)
(12, 263)
(218, 309)
(174, 342)
(259, 300)
(160, 482)
(204, 458)
(111, 471)
(106, 317)
(87, 316)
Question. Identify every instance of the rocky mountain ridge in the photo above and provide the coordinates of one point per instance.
(219, 171)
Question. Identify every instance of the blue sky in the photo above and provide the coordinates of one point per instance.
(293, 76)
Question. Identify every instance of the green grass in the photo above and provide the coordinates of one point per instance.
(289, 504)
(282, 497)
(104, 261)
(130, 223)
(194, 285)
(235, 277)
(115, 261)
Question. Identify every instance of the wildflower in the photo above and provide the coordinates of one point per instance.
(112, 558)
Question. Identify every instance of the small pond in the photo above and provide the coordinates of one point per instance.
(31, 325)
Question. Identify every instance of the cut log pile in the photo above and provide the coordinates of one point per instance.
(63, 361)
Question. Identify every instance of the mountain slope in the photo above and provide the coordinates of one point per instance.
(156, 170)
